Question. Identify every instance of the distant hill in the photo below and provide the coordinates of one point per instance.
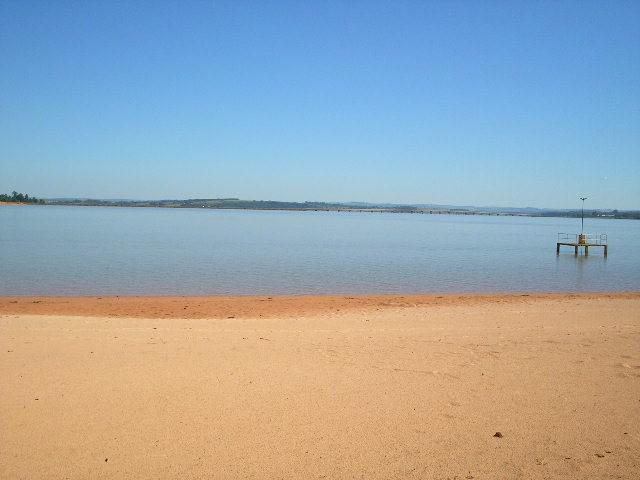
(434, 209)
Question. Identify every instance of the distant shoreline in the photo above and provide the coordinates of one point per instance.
(261, 205)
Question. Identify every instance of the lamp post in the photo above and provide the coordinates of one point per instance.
(582, 219)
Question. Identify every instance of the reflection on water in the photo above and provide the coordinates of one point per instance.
(86, 250)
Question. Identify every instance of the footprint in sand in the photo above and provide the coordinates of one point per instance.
(626, 365)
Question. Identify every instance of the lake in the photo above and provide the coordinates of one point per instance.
(51, 250)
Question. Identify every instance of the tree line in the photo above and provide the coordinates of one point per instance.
(20, 198)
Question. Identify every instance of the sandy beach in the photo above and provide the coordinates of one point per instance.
(372, 387)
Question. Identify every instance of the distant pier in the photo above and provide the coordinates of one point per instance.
(582, 242)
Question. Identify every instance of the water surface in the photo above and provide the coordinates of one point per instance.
(50, 250)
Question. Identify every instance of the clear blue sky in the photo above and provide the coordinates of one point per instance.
(457, 102)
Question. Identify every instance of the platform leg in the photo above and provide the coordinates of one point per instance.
(576, 249)
(558, 249)
(586, 250)
(605, 250)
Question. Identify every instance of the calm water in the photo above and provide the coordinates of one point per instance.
(87, 251)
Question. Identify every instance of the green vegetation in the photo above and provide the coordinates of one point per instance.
(20, 198)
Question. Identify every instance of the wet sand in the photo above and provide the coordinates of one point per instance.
(264, 306)
(321, 387)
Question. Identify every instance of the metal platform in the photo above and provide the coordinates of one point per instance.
(582, 241)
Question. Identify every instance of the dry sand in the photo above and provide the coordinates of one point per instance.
(321, 387)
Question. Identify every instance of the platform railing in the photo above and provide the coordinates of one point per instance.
(591, 238)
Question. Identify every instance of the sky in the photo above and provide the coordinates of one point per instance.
(486, 103)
